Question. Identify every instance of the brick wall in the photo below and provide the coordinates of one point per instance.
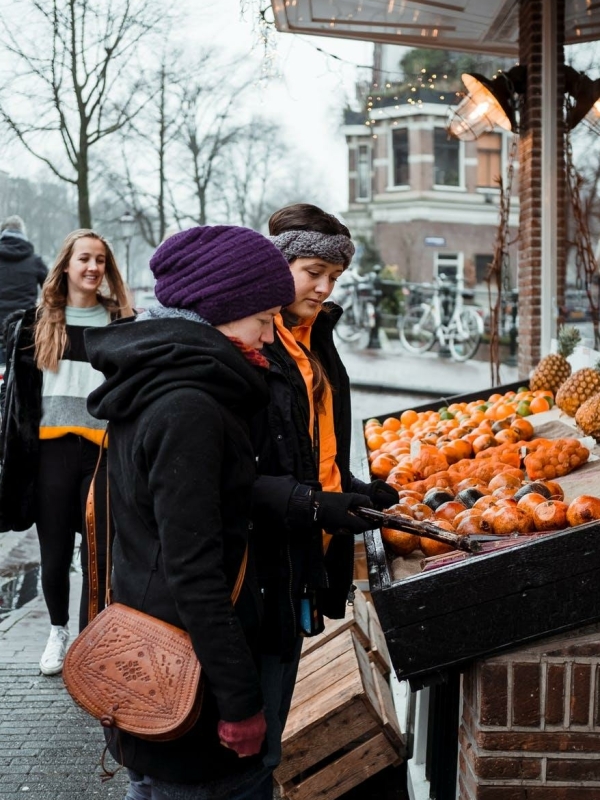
(530, 185)
(530, 723)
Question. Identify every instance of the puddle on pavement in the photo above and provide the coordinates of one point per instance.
(18, 588)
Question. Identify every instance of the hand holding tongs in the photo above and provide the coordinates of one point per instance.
(471, 543)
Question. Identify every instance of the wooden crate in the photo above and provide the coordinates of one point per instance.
(342, 727)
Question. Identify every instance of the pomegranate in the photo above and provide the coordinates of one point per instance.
(511, 519)
(432, 548)
(555, 489)
(485, 502)
(551, 515)
(530, 501)
(582, 509)
(401, 543)
(420, 511)
(504, 480)
(449, 510)
(470, 524)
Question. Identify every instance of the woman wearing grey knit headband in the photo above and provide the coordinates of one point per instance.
(303, 500)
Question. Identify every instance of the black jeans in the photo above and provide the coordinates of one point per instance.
(65, 470)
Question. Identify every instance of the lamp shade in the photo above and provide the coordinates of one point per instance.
(489, 104)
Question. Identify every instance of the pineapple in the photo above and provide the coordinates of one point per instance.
(588, 416)
(553, 370)
(582, 385)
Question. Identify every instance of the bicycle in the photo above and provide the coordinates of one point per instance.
(444, 319)
(355, 294)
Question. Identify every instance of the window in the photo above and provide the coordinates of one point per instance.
(363, 183)
(400, 156)
(482, 267)
(446, 155)
(489, 160)
(450, 265)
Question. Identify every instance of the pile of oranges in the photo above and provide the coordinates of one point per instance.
(419, 444)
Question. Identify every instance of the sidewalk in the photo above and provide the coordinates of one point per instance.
(393, 369)
(50, 749)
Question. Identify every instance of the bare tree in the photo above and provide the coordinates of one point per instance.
(72, 65)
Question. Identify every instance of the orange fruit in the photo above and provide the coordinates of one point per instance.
(408, 417)
(391, 424)
(375, 441)
(539, 404)
(382, 465)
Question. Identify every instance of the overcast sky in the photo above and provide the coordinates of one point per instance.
(303, 88)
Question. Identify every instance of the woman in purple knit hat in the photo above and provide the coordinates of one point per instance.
(182, 382)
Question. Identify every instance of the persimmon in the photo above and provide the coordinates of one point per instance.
(551, 515)
(523, 427)
(483, 442)
(507, 435)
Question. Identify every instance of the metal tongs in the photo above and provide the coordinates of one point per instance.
(471, 543)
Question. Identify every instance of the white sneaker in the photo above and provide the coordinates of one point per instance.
(51, 662)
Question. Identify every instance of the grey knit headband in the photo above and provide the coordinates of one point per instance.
(334, 248)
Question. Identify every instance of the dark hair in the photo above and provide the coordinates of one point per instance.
(305, 217)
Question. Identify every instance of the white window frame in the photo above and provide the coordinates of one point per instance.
(359, 198)
(392, 162)
(452, 260)
(461, 166)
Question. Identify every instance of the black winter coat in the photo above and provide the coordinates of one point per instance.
(177, 397)
(21, 272)
(21, 410)
(289, 545)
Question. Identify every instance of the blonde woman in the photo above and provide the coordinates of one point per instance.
(49, 444)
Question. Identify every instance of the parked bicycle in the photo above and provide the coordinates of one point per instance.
(356, 295)
(443, 318)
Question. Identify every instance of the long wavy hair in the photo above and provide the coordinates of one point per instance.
(51, 337)
(306, 217)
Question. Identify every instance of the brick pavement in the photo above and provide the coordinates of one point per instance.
(49, 748)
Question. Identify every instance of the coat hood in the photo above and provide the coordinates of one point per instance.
(141, 361)
(14, 248)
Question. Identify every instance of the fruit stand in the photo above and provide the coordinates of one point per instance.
(442, 612)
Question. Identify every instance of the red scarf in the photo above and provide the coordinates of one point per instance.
(254, 356)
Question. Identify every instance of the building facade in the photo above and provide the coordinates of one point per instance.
(428, 202)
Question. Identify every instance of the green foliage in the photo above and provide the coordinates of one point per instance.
(370, 255)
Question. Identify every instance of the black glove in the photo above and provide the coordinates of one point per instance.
(333, 510)
(382, 494)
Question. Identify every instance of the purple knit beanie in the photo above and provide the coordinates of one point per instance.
(222, 272)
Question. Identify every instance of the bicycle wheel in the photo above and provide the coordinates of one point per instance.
(417, 329)
(465, 335)
(348, 327)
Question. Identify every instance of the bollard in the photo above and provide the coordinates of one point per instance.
(376, 295)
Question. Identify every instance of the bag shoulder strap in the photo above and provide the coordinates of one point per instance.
(90, 521)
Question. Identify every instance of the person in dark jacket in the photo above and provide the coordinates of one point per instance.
(21, 273)
(49, 444)
(305, 493)
(182, 382)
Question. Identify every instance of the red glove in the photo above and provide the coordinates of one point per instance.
(246, 736)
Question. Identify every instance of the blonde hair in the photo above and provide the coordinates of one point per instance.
(51, 337)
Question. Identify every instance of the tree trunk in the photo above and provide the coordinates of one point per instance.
(83, 189)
